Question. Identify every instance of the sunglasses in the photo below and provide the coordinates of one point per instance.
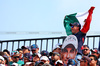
(16, 57)
(72, 26)
(92, 59)
(85, 49)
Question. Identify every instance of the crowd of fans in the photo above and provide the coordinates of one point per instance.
(30, 56)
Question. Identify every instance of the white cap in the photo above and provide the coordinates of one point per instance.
(15, 64)
(71, 39)
(1, 58)
(44, 58)
(56, 46)
(27, 63)
(59, 61)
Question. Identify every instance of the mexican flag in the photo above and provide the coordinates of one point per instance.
(81, 18)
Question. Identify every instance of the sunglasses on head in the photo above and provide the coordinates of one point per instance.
(16, 57)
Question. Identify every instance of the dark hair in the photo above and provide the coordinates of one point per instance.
(95, 58)
(19, 49)
(5, 50)
(86, 46)
(6, 60)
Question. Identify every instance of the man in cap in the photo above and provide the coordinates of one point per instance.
(69, 48)
(34, 48)
(57, 48)
(85, 50)
(81, 33)
(54, 57)
(15, 58)
(45, 59)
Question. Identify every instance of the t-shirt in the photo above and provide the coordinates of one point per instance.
(81, 37)
(19, 62)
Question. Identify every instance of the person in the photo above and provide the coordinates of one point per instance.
(36, 57)
(27, 57)
(93, 60)
(26, 49)
(81, 33)
(96, 53)
(2, 61)
(59, 63)
(54, 57)
(21, 53)
(45, 59)
(85, 50)
(57, 48)
(69, 48)
(34, 48)
(15, 58)
(45, 53)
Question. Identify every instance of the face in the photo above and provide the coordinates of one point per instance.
(35, 51)
(74, 29)
(0, 61)
(15, 58)
(36, 58)
(26, 60)
(21, 53)
(55, 57)
(68, 53)
(26, 51)
(93, 62)
(86, 51)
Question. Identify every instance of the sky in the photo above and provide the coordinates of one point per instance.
(23, 19)
(26, 19)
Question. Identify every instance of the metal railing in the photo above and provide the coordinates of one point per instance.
(44, 43)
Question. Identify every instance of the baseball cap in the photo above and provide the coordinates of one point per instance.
(14, 53)
(59, 61)
(26, 47)
(44, 53)
(94, 50)
(57, 46)
(34, 46)
(55, 53)
(44, 58)
(28, 55)
(1, 58)
(75, 24)
(71, 39)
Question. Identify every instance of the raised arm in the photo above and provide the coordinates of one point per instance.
(88, 21)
